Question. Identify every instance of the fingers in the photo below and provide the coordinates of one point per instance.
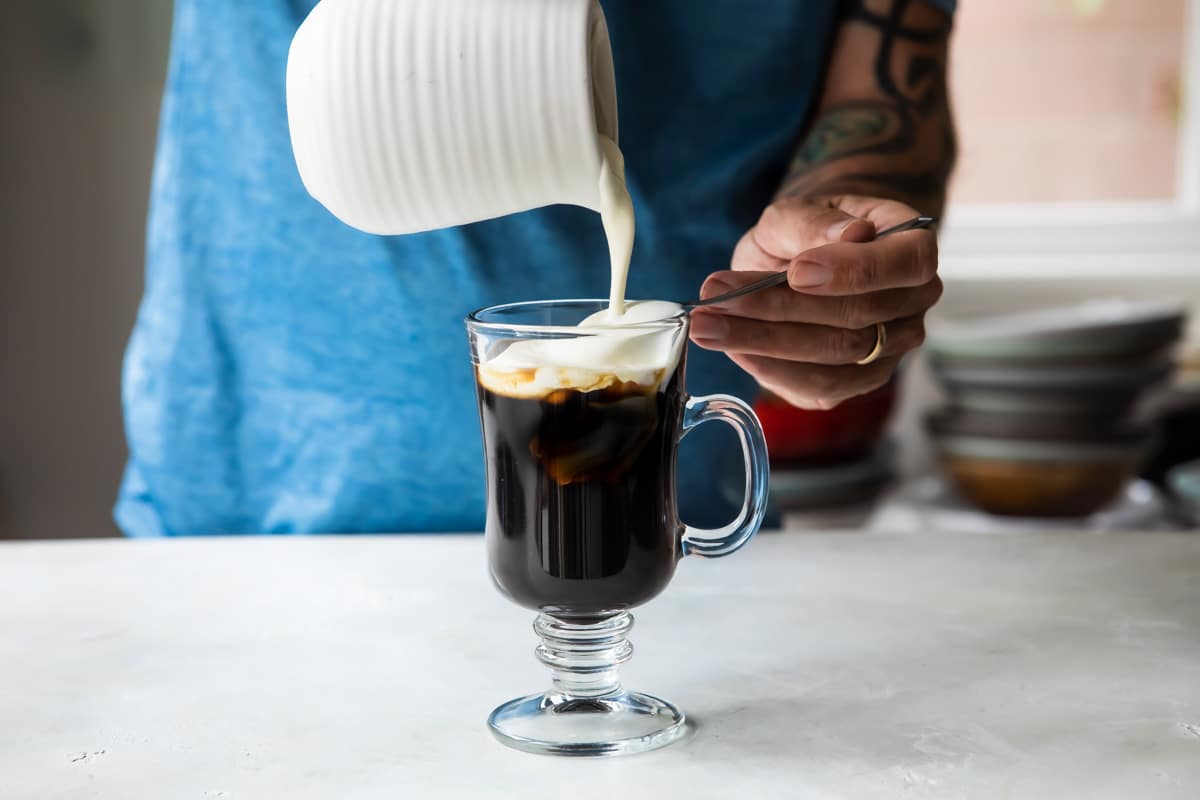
(783, 304)
(749, 256)
(793, 341)
(803, 341)
(884, 213)
(906, 259)
(813, 385)
(789, 227)
(828, 248)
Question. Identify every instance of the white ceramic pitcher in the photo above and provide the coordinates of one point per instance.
(410, 115)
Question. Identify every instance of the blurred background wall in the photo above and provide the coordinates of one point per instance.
(80, 82)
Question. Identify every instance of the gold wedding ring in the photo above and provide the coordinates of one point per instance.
(880, 343)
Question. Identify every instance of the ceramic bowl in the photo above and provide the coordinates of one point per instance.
(1184, 484)
(1133, 359)
(958, 421)
(1094, 330)
(1104, 407)
(1101, 376)
(1097, 391)
(1039, 478)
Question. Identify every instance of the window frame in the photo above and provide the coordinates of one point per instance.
(1102, 240)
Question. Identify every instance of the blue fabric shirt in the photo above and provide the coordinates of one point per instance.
(288, 374)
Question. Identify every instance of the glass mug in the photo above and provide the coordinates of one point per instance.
(582, 522)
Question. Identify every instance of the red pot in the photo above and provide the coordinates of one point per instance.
(853, 428)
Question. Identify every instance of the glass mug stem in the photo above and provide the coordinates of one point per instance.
(583, 657)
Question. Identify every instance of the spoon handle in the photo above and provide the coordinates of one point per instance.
(781, 277)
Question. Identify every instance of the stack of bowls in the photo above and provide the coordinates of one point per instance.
(1041, 414)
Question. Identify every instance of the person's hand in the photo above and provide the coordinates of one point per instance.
(802, 340)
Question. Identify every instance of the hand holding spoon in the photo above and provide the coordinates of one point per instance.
(779, 278)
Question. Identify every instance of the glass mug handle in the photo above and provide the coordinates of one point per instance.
(735, 413)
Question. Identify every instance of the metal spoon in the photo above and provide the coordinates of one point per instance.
(781, 277)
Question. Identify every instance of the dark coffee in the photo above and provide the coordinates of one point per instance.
(581, 511)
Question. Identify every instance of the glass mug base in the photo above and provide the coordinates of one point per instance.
(551, 724)
(587, 712)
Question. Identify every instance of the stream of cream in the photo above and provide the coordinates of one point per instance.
(616, 213)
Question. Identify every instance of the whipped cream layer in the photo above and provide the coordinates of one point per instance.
(612, 350)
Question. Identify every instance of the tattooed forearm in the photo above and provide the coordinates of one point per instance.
(851, 129)
(892, 31)
(923, 191)
(894, 20)
(897, 138)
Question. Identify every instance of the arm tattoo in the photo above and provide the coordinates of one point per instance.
(855, 128)
(909, 121)
(891, 27)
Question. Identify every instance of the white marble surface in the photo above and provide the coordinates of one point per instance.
(816, 666)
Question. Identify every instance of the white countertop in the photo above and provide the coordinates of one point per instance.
(815, 665)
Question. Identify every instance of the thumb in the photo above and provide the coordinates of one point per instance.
(856, 229)
(789, 227)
